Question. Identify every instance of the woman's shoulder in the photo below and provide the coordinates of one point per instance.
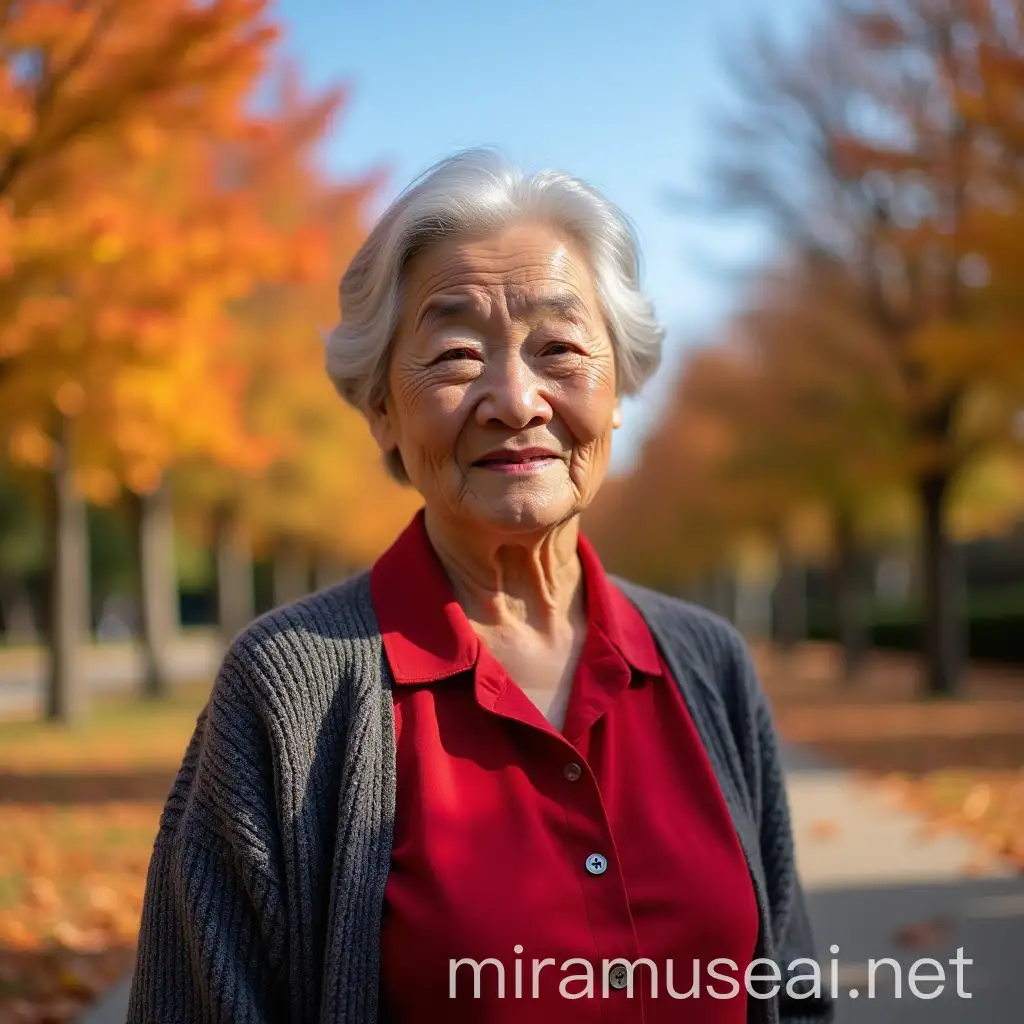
(284, 701)
(698, 639)
(706, 633)
(715, 667)
(303, 651)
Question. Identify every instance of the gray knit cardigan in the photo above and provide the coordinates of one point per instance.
(266, 883)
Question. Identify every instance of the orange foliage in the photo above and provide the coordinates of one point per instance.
(79, 815)
(124, 239)
(173, 261)
(795, 412)
(325, 485)
(888, 354)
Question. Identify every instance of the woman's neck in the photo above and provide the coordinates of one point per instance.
(512, 580)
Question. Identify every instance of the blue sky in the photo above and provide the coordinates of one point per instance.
(620, 93)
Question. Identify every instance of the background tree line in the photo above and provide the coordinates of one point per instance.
(870, 388)
(171, 243)
(170, 246)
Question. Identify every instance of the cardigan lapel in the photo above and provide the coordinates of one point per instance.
(711, 720)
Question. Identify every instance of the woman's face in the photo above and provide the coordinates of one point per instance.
(502, 392)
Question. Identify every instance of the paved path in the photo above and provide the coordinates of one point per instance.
(879, 887)
(112, 1009)
(106, 668)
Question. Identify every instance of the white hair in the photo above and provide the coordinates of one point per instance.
(478, 190)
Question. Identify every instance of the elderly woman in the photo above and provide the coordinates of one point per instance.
(483, 781)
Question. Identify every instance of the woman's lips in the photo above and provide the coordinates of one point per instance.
(517, 463)
(528, 466)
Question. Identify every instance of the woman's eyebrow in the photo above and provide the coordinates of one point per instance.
(444, 307)
(567, 305)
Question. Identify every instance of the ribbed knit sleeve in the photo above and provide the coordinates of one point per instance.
(212, 935)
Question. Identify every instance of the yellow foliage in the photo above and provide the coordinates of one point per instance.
(989, 496)
(125, 241)
(28, 445)
(325, 484)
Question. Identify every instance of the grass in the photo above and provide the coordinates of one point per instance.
(119, 734)
(79, 809)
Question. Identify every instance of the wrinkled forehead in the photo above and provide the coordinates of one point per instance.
(527, 269)
(544, 301)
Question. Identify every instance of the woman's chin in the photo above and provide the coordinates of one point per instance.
(522, 512)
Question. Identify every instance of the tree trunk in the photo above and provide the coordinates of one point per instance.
(158, 590)
(69, 584)
(291, 572)
(235, 591)
(790, 602)
(851, 599)
(18, 613)
(944, 628)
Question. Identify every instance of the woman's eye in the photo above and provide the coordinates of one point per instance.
(452, 354)
(558, 348)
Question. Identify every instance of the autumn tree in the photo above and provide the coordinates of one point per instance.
(323, 499)
(938, 207)
(865, 142)
(122, 243)
(668, 520)
(816, 416)
(786, 432)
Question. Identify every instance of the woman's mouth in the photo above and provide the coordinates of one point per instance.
(528, 461)
(525, 466)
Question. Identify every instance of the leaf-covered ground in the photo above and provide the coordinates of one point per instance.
(79, 808)
(988, 804)
(959, 762)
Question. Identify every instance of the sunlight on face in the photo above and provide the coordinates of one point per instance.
(502, 392)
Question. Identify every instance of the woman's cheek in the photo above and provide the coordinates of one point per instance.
(588, 415)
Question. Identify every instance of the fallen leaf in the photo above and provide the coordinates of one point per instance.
(978, 802)
(824, 828)
(923, 933)
(78, 983)
(977, 866)
(42, 893)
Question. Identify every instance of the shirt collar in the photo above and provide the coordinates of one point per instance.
(427, 636)
(610, 610)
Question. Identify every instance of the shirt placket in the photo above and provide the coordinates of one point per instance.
(588, 841)
(591, 847)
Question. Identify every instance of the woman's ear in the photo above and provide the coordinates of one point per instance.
(617, 415)
(381, 427)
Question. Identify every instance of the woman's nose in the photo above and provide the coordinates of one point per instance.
(513, 396)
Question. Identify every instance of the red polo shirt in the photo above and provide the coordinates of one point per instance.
(533, 847)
